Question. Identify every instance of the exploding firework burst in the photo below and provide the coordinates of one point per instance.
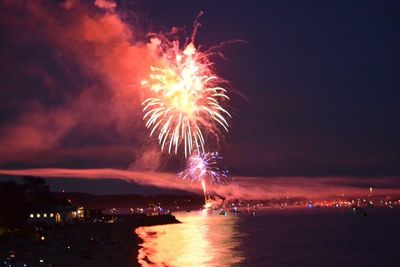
(204, 168)
(186, 101)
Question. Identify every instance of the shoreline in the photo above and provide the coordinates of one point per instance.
(171, 219)
(85, 244)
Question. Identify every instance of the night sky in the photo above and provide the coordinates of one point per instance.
(315, 85)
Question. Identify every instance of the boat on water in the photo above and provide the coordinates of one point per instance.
(359, 211)
(223, 212)
(235, 210)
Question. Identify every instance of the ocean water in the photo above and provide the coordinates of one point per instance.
(275, 237)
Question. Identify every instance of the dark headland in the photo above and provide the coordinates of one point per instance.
(43, 228)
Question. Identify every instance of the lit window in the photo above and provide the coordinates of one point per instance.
(51, 215)
(38, 215)
(32, 216)
(45, 215)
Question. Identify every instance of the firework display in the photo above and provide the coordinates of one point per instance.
(186, 98)
(185, 107)
(205, 168)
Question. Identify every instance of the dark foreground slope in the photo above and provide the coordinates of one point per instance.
(81, 245)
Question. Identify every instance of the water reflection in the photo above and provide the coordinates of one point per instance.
(203, 239)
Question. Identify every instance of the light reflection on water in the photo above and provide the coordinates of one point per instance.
(204, 238)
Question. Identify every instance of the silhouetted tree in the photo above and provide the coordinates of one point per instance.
(37, 192)
(16, 200)
(13, 205)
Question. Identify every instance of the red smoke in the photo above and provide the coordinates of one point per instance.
(104, 51)
(244, 188)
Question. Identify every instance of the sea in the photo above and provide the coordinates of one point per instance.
(275, 237)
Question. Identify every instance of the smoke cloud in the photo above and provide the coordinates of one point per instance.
(73, 80)
(244, 187)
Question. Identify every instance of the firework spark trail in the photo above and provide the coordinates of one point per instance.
(185, 105)
(204, 169)
(203, 185)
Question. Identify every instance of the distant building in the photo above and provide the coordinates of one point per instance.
(93, 214)
(55, 215)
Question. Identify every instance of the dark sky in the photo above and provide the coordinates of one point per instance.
(322, 80)
(319, 79)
